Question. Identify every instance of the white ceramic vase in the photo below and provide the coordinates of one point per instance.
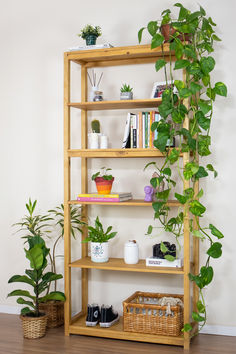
(99, 252)
(131, 252)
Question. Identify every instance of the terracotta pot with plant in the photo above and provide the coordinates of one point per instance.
(99, 241)
(103, 181)
(34, 322)
(90, 34)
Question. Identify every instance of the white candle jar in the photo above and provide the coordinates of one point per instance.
(131, 252)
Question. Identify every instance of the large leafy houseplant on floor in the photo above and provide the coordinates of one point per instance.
(33, 321)
(187, 115)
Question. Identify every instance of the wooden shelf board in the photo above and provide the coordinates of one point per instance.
(116, 153)
(120, 104)
(116, 331)
(132, 202)
(118, 55)
(118, 264)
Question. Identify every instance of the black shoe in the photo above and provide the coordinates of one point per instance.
(108, 316)
(93, 315)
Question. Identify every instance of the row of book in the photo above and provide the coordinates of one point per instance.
(138, 133)
(107, 198)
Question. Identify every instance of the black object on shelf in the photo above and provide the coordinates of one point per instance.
(157, 253)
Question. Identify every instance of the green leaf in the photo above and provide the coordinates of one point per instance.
(215, 250)
(194, 88)
(54, 295)
(205, 108)
(160, 142)
(211, 168)
(153, 182)
(200, 193)
(167, 171)
(215, 231)
(21, 301)
(169, 258)
(35, 256)
(206, 275)
(180, 64)
(190, 52)
(216, 38)
(207, 64)
(203, 145)
(182, 12)
(152, 28)
(157, 40)
(196, 317)
(163, 195)
(200, 307)
(201, 173)
(185, 93)
(165, 108)
(163, 248)
(150, 228)
(220, 89)
(179, 84)
(157, 205)
(198, 234)
(197, 208)
(25, 310)
(19, 292)
(21, 279)
(211, 93)
(206, 80)
(181, 198)
(159, 64)
(174, 155)
(140, 33)
(202, 11)
(187, 327)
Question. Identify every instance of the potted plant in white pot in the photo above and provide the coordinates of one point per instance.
(34, 322)
(126, 92)
(99, 241)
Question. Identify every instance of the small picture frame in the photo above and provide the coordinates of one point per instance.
(159, 88)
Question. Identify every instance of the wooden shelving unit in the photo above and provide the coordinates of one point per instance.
(100, 58)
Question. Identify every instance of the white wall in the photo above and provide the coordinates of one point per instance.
(33, 37)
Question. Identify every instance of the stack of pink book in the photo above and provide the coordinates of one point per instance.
(113, 197)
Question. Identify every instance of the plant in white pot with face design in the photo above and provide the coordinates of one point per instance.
(99, 241)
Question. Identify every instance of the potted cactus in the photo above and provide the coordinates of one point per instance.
(103, 180)
(126, 92)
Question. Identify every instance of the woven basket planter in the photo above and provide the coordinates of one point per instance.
(141, 314)
(34, 327)
(55, 312)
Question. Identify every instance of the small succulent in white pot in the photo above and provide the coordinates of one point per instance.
(126, 92)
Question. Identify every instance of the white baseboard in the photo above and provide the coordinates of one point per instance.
(13, 310)
(219, 330)
(208, 329)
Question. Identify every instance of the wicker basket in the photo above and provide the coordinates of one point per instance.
(141, 314)
(55, 312)
(34, 327)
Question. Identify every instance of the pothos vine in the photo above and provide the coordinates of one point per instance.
(192, 102)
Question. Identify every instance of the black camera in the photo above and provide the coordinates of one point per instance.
(157, 253)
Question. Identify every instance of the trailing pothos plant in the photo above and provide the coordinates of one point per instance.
(187, 114)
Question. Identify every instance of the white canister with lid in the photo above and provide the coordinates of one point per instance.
(131, 253)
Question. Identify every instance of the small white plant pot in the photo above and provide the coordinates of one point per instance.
(99, 252)
(131, 252)
(126, 95)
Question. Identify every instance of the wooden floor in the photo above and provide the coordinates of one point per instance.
(12, 342)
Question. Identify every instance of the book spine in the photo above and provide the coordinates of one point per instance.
(134, 131)
(131, 131)
(85, 195)
(143, 121)
(126, 132)
(91, 199)
(140, 130)
(146, 130)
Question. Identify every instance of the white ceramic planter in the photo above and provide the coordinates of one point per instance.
(126, 95)
(99, 252)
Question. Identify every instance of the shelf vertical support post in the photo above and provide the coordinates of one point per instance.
(84, 185)
(186, 159)
(67, 197)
